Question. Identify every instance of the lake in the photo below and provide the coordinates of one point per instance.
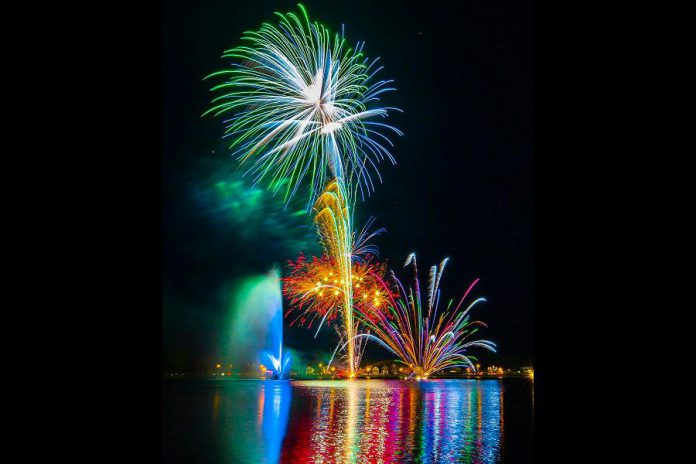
(356, 421)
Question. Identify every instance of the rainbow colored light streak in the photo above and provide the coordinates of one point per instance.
(423, 340)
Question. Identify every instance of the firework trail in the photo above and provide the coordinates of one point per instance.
(421, 338)
(360, 344)
(334, 223)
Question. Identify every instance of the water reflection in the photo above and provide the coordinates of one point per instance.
(275, 399)
(363, 421)
(249, 422)
(391, 421)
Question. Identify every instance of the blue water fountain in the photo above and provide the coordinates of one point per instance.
(274, 355)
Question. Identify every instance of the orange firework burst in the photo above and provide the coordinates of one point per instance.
(314, 288)
(369, 289)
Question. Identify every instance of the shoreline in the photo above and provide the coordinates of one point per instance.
(231, 378)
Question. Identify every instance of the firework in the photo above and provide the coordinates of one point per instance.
(420, 337)
(298, 102)
(314, 289)
(344, 253)
(334, 222)
(359, 347)
(363, 250)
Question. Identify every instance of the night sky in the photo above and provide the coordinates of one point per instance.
(462, 187)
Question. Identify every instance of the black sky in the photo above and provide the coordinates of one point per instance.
(462, 188)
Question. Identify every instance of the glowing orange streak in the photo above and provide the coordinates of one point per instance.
(334, 222)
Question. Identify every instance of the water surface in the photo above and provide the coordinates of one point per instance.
(380, 421)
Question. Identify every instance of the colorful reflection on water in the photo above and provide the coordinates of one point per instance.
(363, 421)
(392, 421)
